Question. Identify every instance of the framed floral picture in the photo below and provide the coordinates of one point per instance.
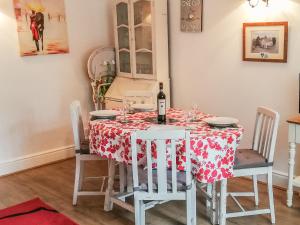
(42, 27)
(265, 42)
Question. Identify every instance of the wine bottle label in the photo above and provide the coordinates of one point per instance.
(162, 107)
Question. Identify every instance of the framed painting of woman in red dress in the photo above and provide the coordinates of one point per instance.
(42, 27)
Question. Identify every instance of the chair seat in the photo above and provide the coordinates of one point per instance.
(181, 182)
(248, 158)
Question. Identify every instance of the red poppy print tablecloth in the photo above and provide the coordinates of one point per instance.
(212, 150)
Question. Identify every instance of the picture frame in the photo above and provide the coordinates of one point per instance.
(41, 27)
(191, 16)
(265, 42)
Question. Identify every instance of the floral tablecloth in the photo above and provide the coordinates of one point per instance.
(212, 150)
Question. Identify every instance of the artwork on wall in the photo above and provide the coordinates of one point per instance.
(42, 27)
(191, 15)
(265, 42)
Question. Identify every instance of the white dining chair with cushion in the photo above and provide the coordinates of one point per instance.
(82, 152)
(253, 162)
(158, 185)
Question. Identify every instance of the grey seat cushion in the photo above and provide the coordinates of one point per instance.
(248, 158)
(143, 178)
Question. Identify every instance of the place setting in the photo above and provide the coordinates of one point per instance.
(135, 108)
(222, 122)
(104, 115)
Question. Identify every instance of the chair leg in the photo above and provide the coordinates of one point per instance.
(255, 189)
(209, 202)
(271, 197)
(108, 205)
(194, 203)
(191, 205)
(81, 177)
(214, 207)
(139, 212)
(223, 202)
(143, 213)
(189, 199)
(76, 182)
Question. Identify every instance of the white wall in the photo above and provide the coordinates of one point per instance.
(35, 92)
(207, 68)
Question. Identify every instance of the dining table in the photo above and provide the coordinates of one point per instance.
(212, 148)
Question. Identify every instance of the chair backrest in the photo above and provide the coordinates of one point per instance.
(265, 133)
(161, 181)
(140, 97)
(77, 124)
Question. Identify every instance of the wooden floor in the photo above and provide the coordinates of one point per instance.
(54, 185)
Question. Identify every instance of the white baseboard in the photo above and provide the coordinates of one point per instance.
(280, 178)
(37, 159)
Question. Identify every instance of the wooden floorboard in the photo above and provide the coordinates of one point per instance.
(54, 185)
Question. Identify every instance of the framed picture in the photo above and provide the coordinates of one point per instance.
(265, 42)
(191, 15)
(42, 27)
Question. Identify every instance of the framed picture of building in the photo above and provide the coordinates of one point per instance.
(265, 42)
(42, 27)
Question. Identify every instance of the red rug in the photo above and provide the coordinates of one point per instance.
(33, 212)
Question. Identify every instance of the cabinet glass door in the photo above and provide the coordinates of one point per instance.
(123, 38)
(143, 37)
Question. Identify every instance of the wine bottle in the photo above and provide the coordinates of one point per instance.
(161, 105)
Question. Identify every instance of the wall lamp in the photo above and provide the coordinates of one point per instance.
(254, 3)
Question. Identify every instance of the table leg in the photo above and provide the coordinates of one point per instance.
(292, 151)
(108, 205)
(129, 179)
(122, 177)
(223, 202)
(214, 199)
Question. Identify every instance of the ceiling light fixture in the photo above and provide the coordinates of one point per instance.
(254, 3)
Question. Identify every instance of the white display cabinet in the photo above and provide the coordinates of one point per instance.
(141, 42)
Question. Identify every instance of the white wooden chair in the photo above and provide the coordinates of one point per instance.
(82, 155)
(253, 162)
(156, 186)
